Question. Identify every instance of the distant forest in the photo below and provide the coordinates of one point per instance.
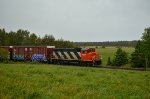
(109, 43)
(25, 38)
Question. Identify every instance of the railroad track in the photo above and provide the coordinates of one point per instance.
(111, 67)
(121, 68)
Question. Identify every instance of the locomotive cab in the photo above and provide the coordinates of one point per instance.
(89, 55)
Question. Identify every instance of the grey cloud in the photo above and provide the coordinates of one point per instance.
(78, 20)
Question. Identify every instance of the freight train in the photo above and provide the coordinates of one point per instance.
(50, 54)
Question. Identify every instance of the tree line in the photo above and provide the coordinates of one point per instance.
(109, 43)
(25, 38)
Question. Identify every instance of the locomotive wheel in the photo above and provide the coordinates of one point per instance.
(79, 63)
(82, 63)
(93, 63)
(98, 63)
(88, 64)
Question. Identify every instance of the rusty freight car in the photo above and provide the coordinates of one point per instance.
(28, 53)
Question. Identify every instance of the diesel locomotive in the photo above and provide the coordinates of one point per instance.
(50, 54)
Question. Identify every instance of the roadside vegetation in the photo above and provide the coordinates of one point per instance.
(3, 55)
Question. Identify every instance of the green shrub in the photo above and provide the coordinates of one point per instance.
(96, 46)
(109, 61)
(103, 46)
(121, 58)
(3, 55)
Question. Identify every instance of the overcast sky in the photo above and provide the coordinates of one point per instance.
(78, 20)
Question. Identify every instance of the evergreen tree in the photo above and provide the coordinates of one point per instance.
(121, 58)
(2, 36)
(146, 46)
(137, 57)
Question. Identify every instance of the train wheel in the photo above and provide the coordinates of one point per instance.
(93, 63)
(98, 62)
(79, 63)
(82, 63)
(85, 64)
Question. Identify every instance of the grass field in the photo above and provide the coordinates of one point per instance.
(110, 52)
(45, 81)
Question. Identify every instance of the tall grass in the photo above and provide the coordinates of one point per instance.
(54, 81)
